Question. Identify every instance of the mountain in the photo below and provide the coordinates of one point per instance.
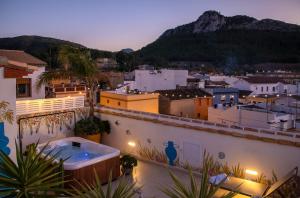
(44, 48)
(127, 50)
(226, 42)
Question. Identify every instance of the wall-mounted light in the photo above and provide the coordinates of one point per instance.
(131, 143)
(251, 172)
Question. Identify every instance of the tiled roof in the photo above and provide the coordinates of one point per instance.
(177, 94)
(263, 80)
(193, 80)
(217, 83)
(21, 56)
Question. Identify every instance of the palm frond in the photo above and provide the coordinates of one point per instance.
(122, 190)
(32, 175)
(200, 189)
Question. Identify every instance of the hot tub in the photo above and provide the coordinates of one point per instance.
(84, 157)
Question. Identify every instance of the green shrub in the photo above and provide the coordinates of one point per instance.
(92, 126)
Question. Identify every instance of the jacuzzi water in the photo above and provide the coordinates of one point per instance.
(72, 153)
(88, 152)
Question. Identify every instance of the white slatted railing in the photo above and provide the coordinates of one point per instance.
(48, 105)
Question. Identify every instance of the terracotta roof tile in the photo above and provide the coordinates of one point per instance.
(21, 56)
(263, 80)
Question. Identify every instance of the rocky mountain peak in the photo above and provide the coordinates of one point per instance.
(209, 21)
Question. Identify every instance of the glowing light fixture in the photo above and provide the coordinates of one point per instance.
(251, 172)
(131, 143)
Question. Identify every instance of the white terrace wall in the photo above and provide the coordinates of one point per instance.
(49, 126)
(8, 94)
(48, 119)
(262, 151)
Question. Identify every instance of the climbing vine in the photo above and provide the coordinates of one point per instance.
(53, 121)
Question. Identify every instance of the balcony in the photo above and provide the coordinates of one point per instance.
(48, 105)
(65, 90)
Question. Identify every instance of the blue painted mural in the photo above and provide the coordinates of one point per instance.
(171, 153)
(3, 140)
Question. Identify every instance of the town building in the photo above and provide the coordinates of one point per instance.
(151, 80)
(191, 103)
(24, 71)
(138, 101)
(106, 63)
(251, 116)
(265, 85)
(216, 84)
(224, 95)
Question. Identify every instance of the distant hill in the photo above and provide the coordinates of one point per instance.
(44, 48)
(227, 42)
(127, 50)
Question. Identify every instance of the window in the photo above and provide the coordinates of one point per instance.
(273, 89)
(262, 89)
(198, 115)
(181, 114)
(107, 101)
(23, 87)
(119, 103)
(267, 88)
(223, 97)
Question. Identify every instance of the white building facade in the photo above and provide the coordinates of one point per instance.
(262, 85)
(249, 116)
(24, 70)
(151, 80)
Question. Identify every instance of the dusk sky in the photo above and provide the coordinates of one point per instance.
(117, 24)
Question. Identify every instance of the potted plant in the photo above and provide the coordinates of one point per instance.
(91, 128)
(127, 164)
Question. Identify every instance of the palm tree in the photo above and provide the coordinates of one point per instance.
(122, 190)
(33, 175)
(196, 189)
(77, 64)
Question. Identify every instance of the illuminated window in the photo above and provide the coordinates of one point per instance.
(223, 97)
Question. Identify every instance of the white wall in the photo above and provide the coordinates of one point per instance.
(241, 85)
(8, 94)
(257, 155)
(151, 80)
(35, 92)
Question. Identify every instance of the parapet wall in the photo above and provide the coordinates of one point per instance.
(147, 135)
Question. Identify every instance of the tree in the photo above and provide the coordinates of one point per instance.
(77, 64)
(123, 189)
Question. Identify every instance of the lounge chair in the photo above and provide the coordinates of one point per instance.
(246, 188)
